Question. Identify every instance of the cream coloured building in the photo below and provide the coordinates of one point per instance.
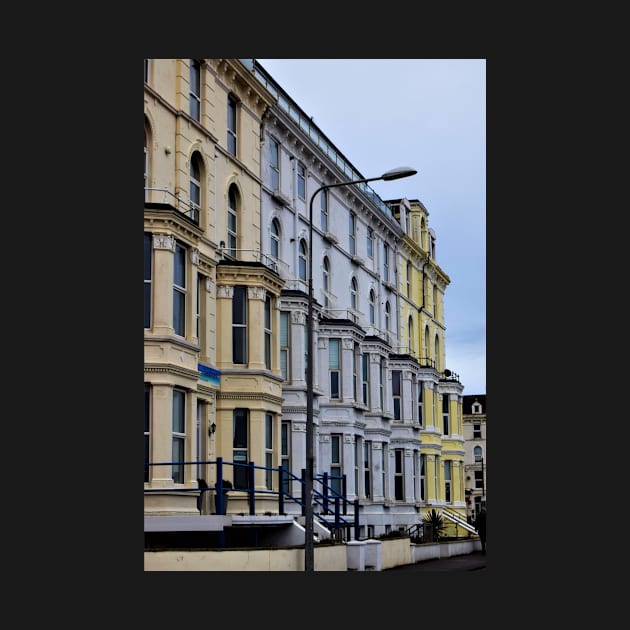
(203, 279)
(476, 462)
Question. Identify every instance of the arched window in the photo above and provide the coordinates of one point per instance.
(302, 261)
(408, 279)
(427, 351)
(147, 155)
(372, 307)
(435, 301)
(353, 294)
(410, 334)
(323, 200)
(232, 226)
(195, 89)
(438, 362)
(387, 316)
(195, 186)
(274, 244)
(325, 278)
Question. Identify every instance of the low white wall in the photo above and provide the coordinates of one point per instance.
(370, 555)
(459, 548)
(431, 551)
(425, 551)
(325, 558)
(394, 552)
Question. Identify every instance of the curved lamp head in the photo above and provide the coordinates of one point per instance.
(398, 173)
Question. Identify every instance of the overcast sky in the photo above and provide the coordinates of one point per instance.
(429, 114)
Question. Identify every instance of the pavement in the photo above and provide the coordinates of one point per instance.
(474, 561)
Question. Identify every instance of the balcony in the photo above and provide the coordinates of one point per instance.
(165, 197)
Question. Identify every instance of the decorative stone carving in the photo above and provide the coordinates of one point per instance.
(224, 291)
(322, 343)
(256, 293)
(298, 317)
(194, 256)
(164, 241)
(347, 344)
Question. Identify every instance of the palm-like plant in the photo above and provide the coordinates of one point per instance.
(438, 527)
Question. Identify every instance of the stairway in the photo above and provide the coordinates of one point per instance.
(458, 520)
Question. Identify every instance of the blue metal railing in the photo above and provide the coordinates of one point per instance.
(331, 506)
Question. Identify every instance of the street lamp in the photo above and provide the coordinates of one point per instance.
(396, 173)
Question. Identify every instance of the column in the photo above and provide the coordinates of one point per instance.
(255, 328)
(224, 326)
(162, 281)
(161, 435)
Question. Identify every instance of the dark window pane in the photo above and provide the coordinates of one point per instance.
(334, 384)
(179, 312)
(146, 458)
(148, 244)
(239, 306)
(178, 456)
(147, 305)
(238, 345)
(396, 383)
(240, 428)
(178, 411)
(179, 272)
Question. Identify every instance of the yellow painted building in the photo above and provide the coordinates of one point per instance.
(421, 285)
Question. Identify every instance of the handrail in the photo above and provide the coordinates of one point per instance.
(305, 123)
(193, 208)
(322, 498)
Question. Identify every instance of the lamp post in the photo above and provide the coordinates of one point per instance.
(396, 173)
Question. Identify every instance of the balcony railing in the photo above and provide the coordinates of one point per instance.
(188, 208)
(306, 124)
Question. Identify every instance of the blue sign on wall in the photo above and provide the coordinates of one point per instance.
(208, 374)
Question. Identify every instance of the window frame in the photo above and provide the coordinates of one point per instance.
(232, 125)
(180, 291)
(148, 279)
(240, 446)
(323, 212)
(285, 348)
(268, 330)
(446, 425)
(269, 422)
(370, 242)
(303, 261)
(336, 461)
(301, 181)
(352, 233)
(335, 373)
(148, 409)
(274, 239)
(178, 435)
(274, 163)
(194, 90)
(399, 474)
(239, 328)
(232, 222)
(397, 405)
